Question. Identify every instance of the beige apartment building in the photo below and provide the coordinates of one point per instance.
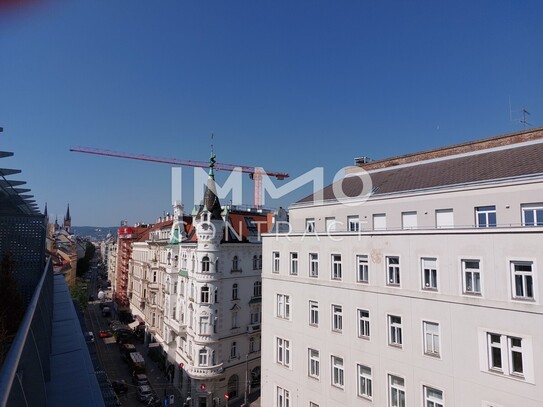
(426, 291)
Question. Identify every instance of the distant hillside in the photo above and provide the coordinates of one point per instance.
(95, 232)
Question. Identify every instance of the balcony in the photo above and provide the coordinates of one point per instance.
(252, 328)
(203, 372)
(153, 286)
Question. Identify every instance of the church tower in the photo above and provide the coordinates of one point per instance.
(67, 220)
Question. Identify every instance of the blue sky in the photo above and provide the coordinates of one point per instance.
(286, 85)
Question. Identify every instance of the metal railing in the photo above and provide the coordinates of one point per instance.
(26, 368)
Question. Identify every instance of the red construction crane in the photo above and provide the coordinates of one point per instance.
(255, 173)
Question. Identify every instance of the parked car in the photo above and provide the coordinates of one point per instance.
(140, 379)
(145, 392)
(105, 334)
(119, 386)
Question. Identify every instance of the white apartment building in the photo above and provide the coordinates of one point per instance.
(195, 282)
(426, 293)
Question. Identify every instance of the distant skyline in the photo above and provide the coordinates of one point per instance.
(286, 85)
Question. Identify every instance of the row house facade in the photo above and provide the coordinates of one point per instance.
(425, 291)
(195, 281)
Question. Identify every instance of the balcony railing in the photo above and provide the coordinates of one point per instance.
(30, 350)
(204, 372)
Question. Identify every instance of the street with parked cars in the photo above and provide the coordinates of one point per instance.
(134, 377)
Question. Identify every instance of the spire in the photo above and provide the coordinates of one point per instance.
(212, 160)
(67, 217)
(45, 210)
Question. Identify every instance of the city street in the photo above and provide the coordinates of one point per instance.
(109, 356)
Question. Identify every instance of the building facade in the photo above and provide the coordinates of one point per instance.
(424, 292)
(195, 283)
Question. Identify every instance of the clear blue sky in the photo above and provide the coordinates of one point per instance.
(286, 85)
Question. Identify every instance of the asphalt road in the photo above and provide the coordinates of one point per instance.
(109, 355)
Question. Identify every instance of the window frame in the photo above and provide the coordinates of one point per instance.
(337, 364)
(314, 265)
(310, 225)
(430, 400)
(282, 397)
(400, 389)
(313, 313)
(276, 258)
(353, 223)
(487, 211)
(313, 363)
(429, 274)
(537, 212)
(431, 339)
(362, 269)
(337, 318)
(393, 271)
(282, 309)
(364, 385)
(293, 264)
(472, 272)
(363, 324)
(282, 351)
(528, 280)
(395, 330)
(505, 355)
(336, 272)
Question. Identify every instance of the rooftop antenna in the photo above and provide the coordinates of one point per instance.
(523, 120)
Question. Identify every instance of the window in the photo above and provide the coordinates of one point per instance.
(202, 357)
(337, 318)
(353, 223)
(485, 216)
(409, 220)
(522, 280)
(233, 350)
(431, 338)
(260, 262)
(336, 266)
(204, 325)
(235, 291)
(444, 218)
(283, 306)
(429, 274)
(433, 397)
(362, 275)
(313, 264)
(363, 323)
(233, 386)
(257, 289)
(331, 224)
(505, 354)
(255, 262)
(235, 264)
(275, 266)
(379, 221)
(394, 330)
(364, 381)
(283, 352)
(393, 270)
(294, 263)
(251, 344)
(234, 318)
(204, 295)
(338, 378)
(205, 264)
(532, 215)
(396, 391)
(471, 276)
(283, 397)
(314, 363)
(310, 225)
(256, 313)
(313, 313)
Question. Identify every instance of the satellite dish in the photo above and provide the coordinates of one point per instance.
(100, 295)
